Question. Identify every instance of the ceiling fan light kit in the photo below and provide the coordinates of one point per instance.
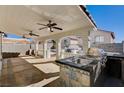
(50, 26)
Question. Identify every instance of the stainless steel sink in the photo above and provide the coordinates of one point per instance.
(79, 61)
(84, 61)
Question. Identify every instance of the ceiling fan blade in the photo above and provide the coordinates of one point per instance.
(51, 29)
(57, 28)
(25, 37)
(36, 35)
(53, 24)
(32, 34)
(41, 24)
(42, 28)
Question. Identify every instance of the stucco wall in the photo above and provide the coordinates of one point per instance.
(82, 32)
(107, 36)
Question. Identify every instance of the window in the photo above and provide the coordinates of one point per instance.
(99, 39)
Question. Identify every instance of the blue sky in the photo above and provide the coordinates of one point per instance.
(13, 36)
(109, 18)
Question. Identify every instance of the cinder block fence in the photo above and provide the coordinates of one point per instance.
(111, 47)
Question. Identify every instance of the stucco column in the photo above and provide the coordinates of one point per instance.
(58, 47)
(37, 48)
(48, 52)
(45, 50)
(89, 42)
(85, 44)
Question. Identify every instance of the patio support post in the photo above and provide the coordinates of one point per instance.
(37, 48)
(48, 53)
(45, 50)
(85, 44)
(89, 43)
(58, 54)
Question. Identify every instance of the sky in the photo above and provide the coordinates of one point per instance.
(16, 36)
(13, 36)
(110, 18)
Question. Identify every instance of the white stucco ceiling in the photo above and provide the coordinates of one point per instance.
(22, 19)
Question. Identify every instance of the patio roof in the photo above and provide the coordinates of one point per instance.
(22, 19)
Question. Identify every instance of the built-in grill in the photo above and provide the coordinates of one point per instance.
(92, 63)
(93, 54)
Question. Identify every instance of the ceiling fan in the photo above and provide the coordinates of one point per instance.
(32, 34)
(23, 36)
(50, 26)
(29, 34)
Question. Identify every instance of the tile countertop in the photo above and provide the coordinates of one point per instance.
(88, 67)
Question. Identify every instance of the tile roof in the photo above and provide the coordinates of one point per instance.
(87, 13)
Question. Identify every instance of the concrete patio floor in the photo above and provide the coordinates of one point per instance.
(29, 71)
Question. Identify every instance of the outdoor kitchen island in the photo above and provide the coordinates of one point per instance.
(79, 71)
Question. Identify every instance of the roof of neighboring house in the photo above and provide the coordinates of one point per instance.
(14, 40)
(112, 33)
(87, 13)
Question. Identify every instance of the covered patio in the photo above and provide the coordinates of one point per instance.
(41, 69)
